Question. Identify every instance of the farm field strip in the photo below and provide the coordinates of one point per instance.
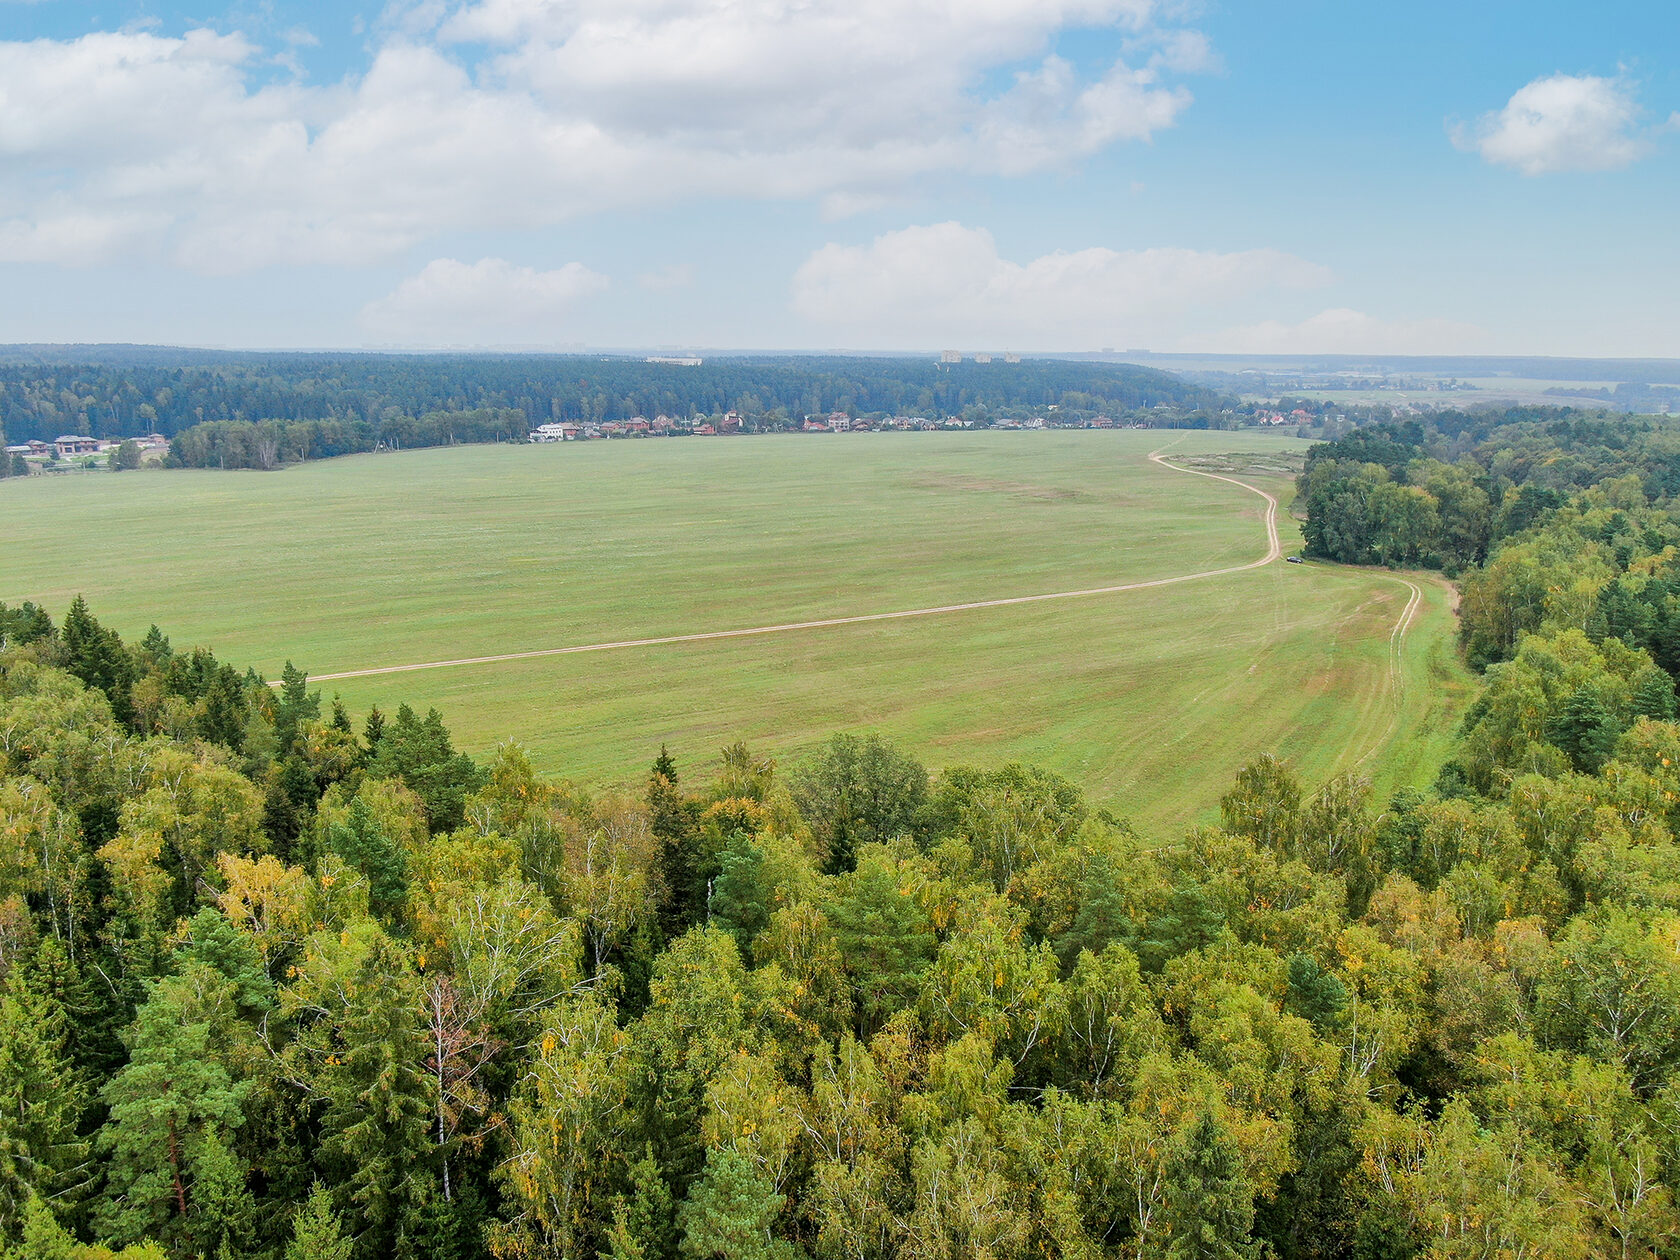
(1273, 551)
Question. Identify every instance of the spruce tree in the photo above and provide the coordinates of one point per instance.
(316, 1233)
(1210, 1202)
(1653, 695)
(41, 1103)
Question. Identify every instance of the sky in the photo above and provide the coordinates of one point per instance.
(1277, 176)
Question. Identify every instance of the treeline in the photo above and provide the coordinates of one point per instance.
(1443, 493)
(270, 443)
(274, 982)
(112, 393)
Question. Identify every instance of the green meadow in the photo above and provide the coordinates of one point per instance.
(1150, 698)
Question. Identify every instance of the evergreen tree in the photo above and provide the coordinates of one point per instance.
(672, 819)
(859, 791)
(316, 1234)
(1315, 994)
(366, 846)
(644, 1222)
(223, 1210)
(1585, 729)
(1653, 695)
(741, 895)
(373, 731)
(1210, 1203)
(420, 753)
(170, 1099)
(375, 1127)
(97, 657)
(226, 713)
(731, 1212)
(41, 1103)
(294, 706)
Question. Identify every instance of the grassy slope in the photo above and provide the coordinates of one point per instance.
(1151, 698)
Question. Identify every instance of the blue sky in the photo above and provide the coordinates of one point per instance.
(915, 174)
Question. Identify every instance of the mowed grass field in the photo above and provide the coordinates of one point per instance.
(1151, 699)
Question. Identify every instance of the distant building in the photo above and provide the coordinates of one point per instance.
(982, 358)
(1011, 358)
(951, 356)
(549, 433)
(676, 361)
(69, 444)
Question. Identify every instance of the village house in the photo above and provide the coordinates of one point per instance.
(69, 444)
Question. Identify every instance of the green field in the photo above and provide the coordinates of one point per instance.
(1150, 698)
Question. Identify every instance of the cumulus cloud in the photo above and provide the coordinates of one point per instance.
(947, 284)
(489, 302)
(522, 113)
(1343, 331)
(1561, 123)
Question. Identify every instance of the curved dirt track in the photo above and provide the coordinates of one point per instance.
(1396, 666)
(1273, 551)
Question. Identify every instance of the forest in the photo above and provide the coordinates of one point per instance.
(278, 980)
(357, 401)
(1444, 491)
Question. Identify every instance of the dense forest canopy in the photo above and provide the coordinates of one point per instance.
(1440, 492)
(113, 394)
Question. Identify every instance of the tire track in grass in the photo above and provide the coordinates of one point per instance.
(1274, 550)
(1396, 667)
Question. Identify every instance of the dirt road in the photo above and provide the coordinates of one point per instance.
(1273, 551)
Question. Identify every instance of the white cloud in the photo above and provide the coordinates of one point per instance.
(946, 284)
(489, 302)
(518, 114)
(1343, 331)
(1561, 123)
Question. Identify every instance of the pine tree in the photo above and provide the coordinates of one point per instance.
(226, 713)
(168, 1100)
(41, 1237)
(741, 895)
(1315, 994)
(731, 1212)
